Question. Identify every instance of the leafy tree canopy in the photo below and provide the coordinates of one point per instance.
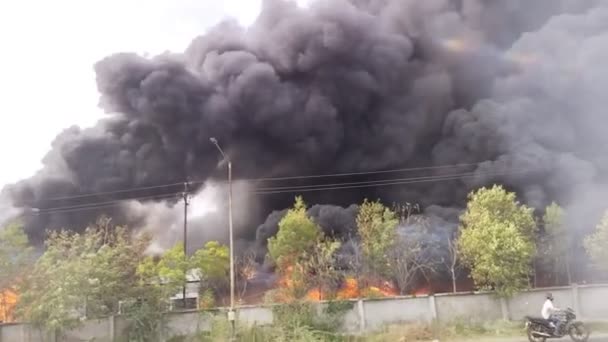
(297, 234)
(596, 245)
(81, 274)
(376, 225)
(212, 263)
(554, 247)
(15, 255)
(496, 240)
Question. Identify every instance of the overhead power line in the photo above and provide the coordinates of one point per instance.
(372, 182)
(367, 172)
(278, 190)
(382, 183)
(94, 194)
(94, 205)
(301, 177)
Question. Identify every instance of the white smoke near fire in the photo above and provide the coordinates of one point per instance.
(207, 216)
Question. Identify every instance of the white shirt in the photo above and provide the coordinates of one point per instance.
(547, 309)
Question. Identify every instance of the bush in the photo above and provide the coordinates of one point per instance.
(220, 332)
(306, 314)
(294, 314)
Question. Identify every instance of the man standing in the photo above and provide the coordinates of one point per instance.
(548, 313)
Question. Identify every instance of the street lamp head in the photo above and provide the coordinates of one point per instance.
(213, 140)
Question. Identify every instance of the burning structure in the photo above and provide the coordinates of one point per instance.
(455, 93)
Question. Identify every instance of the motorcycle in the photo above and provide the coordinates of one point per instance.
(540, 329)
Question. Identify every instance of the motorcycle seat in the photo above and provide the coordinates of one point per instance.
(536, 319)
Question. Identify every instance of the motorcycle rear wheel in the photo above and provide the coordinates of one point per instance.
(579, 333)
(533, 338)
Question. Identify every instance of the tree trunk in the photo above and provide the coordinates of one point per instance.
(453, 280)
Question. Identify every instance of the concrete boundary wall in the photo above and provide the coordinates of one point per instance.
(589, 302)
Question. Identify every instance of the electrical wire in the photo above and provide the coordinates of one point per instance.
(330, 175)
(92, 194)
(278, 190)
(386, 183)
(358, 183)
(95, 205)
(423, 168)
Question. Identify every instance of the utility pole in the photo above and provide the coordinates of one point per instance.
(231, 314)
(185, 197)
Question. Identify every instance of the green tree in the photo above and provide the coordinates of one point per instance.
(158, 279)
(81, 275)
(15, 255)
(554, 247)
(212, 266)
(297, 235)
(595, 245)
(15, 259)
(376, 225)
(167, 272)
(496, 240)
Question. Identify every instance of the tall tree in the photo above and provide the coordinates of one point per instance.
(167, 273)
(554, 247)
(596, 245)
(15, 255)
(496, 240)
(297, 235)
(15, 258)
(452, 262)
(406, 263)
(81, 275)
(212, 267)
(376, 225)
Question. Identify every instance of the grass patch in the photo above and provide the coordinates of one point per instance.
(601, 327)
(457, 329)
(469, 328)
(402, 332)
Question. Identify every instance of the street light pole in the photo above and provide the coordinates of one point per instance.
(185, 196)
(231, 316)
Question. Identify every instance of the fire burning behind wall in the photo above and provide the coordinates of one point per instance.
(344, 86)
(8, 301)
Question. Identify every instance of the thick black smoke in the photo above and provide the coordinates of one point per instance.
(347, 86)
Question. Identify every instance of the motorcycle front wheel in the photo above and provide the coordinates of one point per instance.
(579, 333)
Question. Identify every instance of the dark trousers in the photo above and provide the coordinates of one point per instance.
(556, 321)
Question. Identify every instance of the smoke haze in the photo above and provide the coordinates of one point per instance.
(344, 86)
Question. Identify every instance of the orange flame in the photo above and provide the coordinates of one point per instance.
(8, 301)
(350, 290)
(422, 291)
(315, 295)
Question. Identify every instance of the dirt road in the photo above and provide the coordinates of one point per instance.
(603, 337)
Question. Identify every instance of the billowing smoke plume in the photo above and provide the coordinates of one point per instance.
(348, 86)
(207, 217)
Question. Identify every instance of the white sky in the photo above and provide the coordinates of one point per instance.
(48, 48)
